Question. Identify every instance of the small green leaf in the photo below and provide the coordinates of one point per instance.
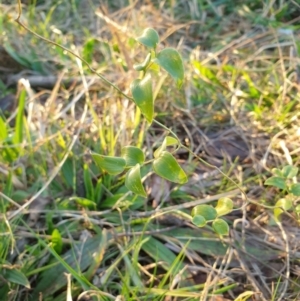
(224, 206)
(16, 276)
(170, 60)
(277, 172)
(112, 165)
(149, 38)
(220, 227)
(142, 94)
(56, 241)
(83, 202)
(207, 211)
(144, 64)
(278, 182)
(171, 141)
(289, 171)
(199, 221)
(297, 209)
(295, 189)
(133, 155)
(168, 141)
(282, 205)
(168, 168)
(133, 181)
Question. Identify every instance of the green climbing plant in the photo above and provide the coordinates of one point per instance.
(164, 163)
(132, 158)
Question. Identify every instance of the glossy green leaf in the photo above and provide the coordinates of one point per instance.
(142, 94)
(289, 171)
(278, 182)
(295, 189)
(149, 38)
(170, 60)
(199, 221)
(15, 276)
(83, 202)
(220, 227)
(168, 141)
(168, 168)
(133, 155)
(112, 165)
(133, 181)
(207, 211)
(224, 206)
(56, 241)
(144, 64)
(282, 205)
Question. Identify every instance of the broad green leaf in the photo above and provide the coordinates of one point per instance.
(220, 227)
(142, 94)
(83, 202)
(170, 60)
(207, 211)
(15, 276)
(160, 253)
(282, 205)
(112, 165)
(289, 171)
(133, 181)
(199, 221)
(144, 64)
(224, 206)
(3, 130)
(297, 209)
(278, 182)
(149, 38)
(295, 189)
(133, 155)
(56, 241)
(168, 168)
(168, 141)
